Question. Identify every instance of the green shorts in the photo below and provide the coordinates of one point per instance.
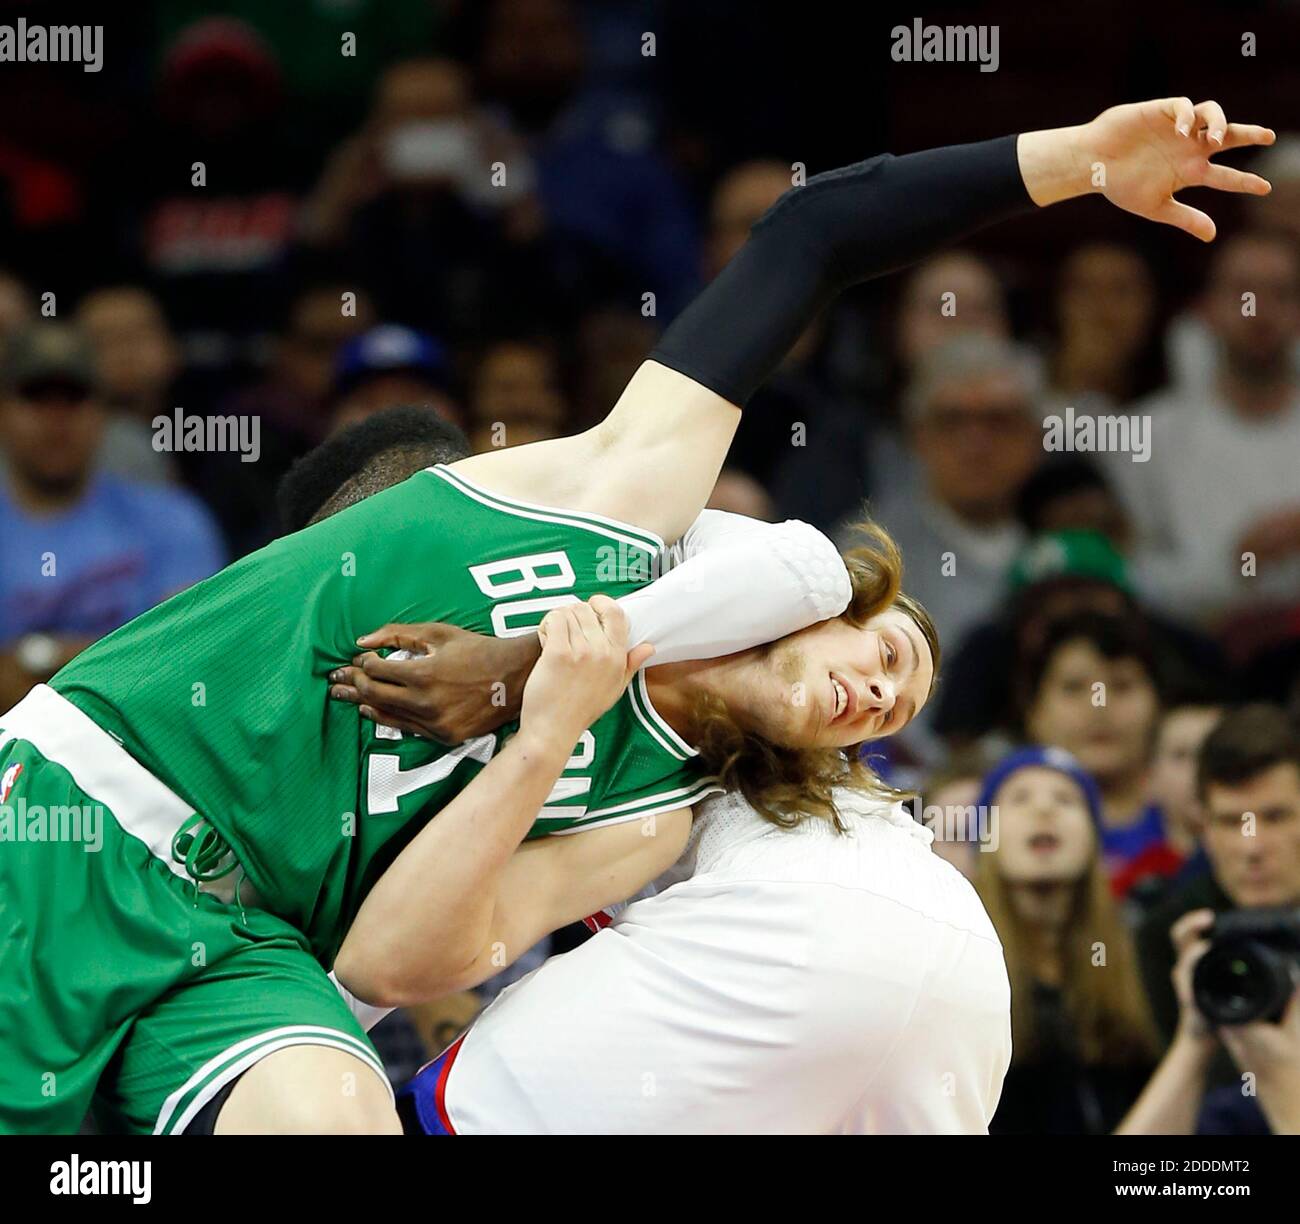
(122, 983)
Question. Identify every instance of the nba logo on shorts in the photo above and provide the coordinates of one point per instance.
(7, 782)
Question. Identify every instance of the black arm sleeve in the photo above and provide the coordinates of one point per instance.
(839, 229)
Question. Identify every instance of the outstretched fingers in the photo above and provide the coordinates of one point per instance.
(1225, 178)
(1243, 135)
(1183, 217)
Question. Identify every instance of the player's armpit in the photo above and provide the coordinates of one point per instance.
(554, 881)
(652, 462)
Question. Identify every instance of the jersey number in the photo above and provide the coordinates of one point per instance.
(387, 782)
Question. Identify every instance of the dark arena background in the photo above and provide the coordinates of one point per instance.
(231, 231)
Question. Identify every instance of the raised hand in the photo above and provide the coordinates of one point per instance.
(1140, 155)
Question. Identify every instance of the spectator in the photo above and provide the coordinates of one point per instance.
(1280, 164)
(291, 404)
(1222, 481)
(953, 294)
(138, 362)
(1172, 787)
(293, 399)
(63, 152)
(135, 352)
(325, 89)
(392, 365)
(515, 395)
(1082, 1039)
(855, 452)
(1248, 781)
(15, 304)
(616, 208)
(1194, 355)
(433, 202)
(742, 195)
(1105, 352)
(84, 551)
(1056, 575)
(1069, 494)
(1249, 1087)
(949, 798)
(1092, 688)
(217, 249)
(973, 422)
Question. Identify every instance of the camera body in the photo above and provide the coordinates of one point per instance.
(1252, 966)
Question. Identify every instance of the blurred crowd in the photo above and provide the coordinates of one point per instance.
(490, 212)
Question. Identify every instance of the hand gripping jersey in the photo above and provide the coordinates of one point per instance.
(221, 692)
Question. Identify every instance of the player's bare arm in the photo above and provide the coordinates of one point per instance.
(554, 881)
(425, 927)
(653, 461)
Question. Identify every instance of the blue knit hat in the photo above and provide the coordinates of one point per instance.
(1046, 758)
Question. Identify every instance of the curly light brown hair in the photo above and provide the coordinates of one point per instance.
(787, 785)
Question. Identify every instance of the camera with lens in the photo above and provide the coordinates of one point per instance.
(1252, 966)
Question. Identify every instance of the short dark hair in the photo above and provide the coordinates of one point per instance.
(1113, 637)
(365, 458)
(1052, 480)
(1246, 742)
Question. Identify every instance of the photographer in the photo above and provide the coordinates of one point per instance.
(1241, 1078)
(1261, 1093)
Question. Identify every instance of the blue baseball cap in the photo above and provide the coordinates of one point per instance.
(1046, 758)
(390, 349)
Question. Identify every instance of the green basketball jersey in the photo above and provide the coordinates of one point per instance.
(221, 692)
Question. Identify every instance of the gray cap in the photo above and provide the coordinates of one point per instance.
(47, 352)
